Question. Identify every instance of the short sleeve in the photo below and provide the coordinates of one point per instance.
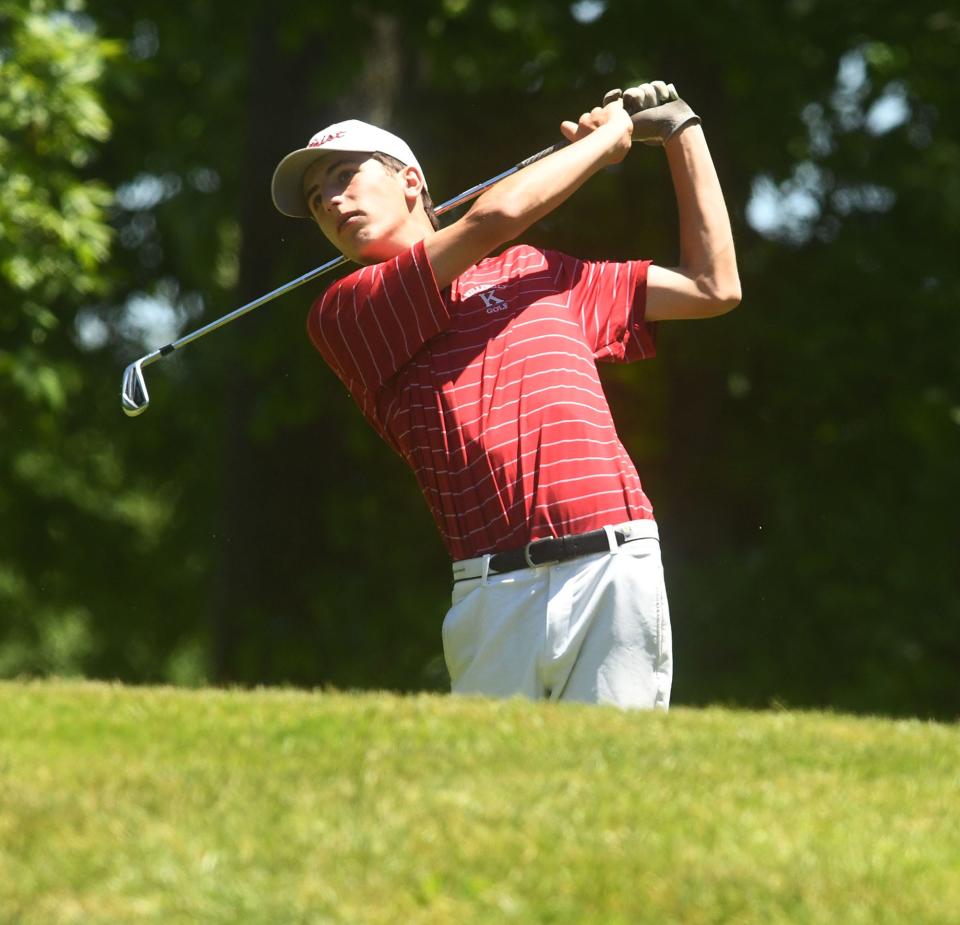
(610, 300)
(370, 324)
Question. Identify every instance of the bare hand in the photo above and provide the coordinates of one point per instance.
(612, 114)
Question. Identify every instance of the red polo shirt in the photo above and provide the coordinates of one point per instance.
(489, 389)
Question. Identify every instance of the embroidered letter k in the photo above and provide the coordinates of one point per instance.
(492, 302)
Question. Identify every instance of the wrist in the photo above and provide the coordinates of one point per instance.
(681, 138)
(615, 138)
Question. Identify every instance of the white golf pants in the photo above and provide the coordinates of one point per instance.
(594, 629)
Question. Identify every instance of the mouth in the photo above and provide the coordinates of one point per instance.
(347, 218)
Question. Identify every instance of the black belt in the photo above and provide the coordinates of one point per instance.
(553, 549)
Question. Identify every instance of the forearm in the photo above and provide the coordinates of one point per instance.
(707, 253)
(515, 203)
(524, 198)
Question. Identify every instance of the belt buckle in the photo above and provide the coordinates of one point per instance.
(530, 562)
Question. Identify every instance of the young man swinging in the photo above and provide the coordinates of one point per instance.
(481, 372)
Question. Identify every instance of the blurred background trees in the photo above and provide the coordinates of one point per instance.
(250, 528)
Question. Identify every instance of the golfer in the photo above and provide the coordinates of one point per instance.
(478, 366)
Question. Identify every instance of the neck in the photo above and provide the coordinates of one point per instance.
(416, 228)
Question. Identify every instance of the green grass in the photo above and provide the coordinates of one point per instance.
(154, 805)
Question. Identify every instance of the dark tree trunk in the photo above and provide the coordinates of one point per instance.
(256, 601)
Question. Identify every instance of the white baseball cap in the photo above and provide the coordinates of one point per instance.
(352, 135)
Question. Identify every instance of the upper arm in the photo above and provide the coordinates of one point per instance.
(373, 322)
(454, 249)
(673, 295)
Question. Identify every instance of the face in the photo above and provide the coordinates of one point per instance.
(362, 208)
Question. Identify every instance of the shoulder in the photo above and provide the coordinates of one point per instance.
(376, 279)
(519, 260)
(358, 279)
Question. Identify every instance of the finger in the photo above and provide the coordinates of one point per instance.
(610, 96)
(569, 130)
(634, 99)
(673, 92)
(590, 120)
(640, 97)
(660, 88)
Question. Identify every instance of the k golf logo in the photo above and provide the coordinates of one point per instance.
(492, 303)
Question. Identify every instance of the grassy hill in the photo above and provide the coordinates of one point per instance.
(130, 805)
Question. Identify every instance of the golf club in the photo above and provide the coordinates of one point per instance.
(135, 398)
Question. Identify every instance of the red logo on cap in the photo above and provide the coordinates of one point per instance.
(316, 144)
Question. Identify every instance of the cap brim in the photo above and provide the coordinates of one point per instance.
(287, 184)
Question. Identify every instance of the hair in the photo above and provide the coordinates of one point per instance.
(395, 165)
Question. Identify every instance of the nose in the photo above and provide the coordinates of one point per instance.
(332, 202)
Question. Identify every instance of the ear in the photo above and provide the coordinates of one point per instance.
(412, 185)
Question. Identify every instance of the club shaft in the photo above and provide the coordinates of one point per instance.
(475, 191)
(464, 197)
(249, 307)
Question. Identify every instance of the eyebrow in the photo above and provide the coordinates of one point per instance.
(314, 187)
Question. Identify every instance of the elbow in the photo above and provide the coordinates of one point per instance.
(501, 219)
(724, 295)
(730, 299)
(486, 227)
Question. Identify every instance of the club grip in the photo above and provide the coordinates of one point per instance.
(540, 155)
(638, 121)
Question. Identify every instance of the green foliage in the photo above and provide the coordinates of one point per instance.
(54, 234)
(206, 807)
(57, 478)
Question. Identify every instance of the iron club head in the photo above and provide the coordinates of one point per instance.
(133, 393)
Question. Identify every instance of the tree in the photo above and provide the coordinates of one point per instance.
(56, 476)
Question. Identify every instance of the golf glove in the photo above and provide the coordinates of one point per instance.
(658, 112)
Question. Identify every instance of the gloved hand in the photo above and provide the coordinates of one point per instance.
(657, 111)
